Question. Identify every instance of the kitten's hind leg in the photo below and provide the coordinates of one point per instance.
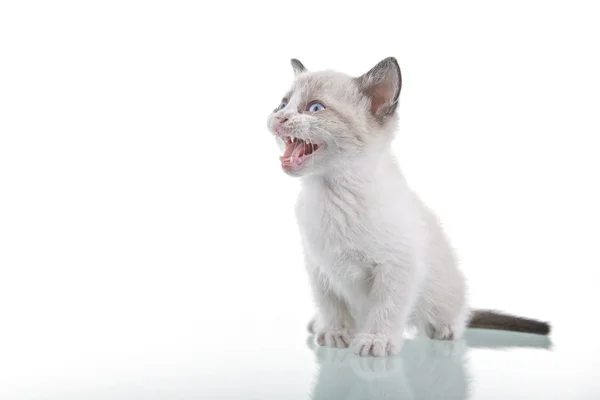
(442, 323)
(440, 331)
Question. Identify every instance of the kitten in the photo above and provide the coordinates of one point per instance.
(377, 257)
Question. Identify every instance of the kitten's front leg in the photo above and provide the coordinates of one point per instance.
(391, 298)
(333, 325)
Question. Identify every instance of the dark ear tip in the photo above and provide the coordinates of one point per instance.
(298, 66)
(394, 61)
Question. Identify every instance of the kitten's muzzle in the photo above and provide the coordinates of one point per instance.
(278, 126)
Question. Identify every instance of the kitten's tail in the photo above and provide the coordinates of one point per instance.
(489, 319)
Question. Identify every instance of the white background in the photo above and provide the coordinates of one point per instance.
(147, 234)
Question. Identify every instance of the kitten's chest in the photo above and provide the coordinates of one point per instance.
(334, 228)
(333, 238)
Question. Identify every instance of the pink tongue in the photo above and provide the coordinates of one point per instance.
(288, 150)
(293, 150)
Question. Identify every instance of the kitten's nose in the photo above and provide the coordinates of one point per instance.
(281, 119)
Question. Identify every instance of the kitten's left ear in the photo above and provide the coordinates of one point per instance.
(382, 86)
(298, 67)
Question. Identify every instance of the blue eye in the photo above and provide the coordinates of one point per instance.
(314, 107)
(282, 105)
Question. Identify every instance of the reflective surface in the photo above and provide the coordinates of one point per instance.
(425, 369)
(483, 365)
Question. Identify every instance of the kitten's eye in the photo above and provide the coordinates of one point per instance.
(282, 105)
(314, 107)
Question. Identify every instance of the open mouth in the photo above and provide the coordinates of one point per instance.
(296, 152)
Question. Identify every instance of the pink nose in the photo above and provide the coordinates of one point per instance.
(281, 119)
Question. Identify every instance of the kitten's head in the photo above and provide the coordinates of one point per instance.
(328, 118)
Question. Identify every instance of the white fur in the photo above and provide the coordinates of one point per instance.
(377, 257)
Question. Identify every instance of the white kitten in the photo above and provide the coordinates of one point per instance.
(377, 257)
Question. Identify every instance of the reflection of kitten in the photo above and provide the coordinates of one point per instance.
(377, 257)
(425, 369)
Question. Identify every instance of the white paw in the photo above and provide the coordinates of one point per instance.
(377, 345)
(441, 332)
(340, 338)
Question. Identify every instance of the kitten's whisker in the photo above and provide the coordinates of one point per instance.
(337, 145)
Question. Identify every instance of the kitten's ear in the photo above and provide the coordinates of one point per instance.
(298, 67)
(382, 86)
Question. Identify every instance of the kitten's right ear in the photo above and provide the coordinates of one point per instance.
(298, 67)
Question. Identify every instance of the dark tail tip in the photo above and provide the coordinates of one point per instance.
(488, 319)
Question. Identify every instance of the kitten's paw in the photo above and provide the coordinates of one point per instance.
(443, 332)
(340, 338)
(377, 345)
